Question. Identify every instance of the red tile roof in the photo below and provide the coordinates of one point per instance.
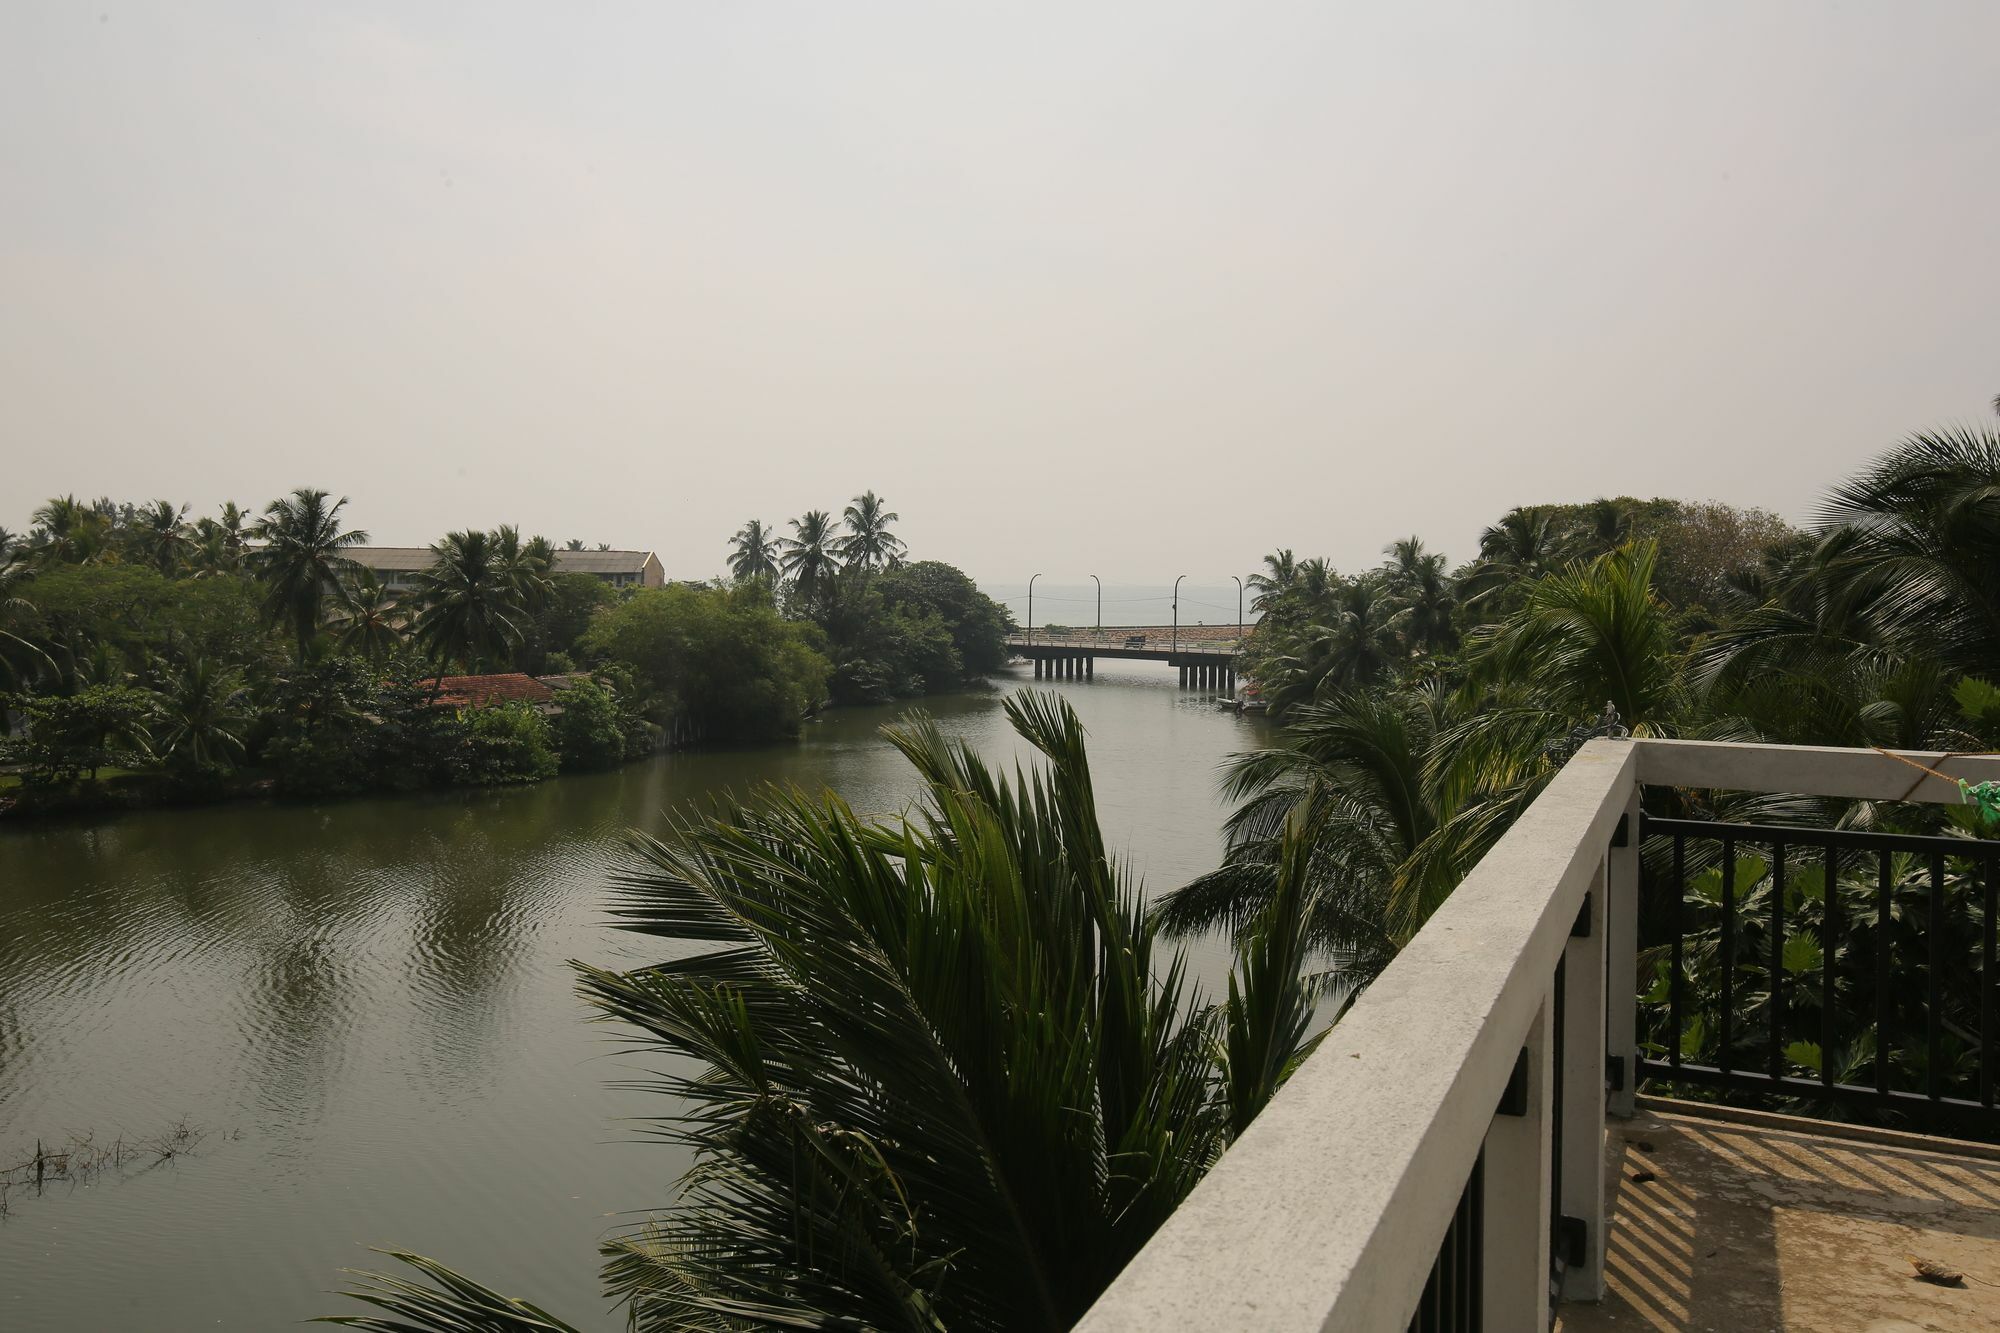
(484, 691)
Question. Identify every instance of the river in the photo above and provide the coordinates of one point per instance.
(364, 1008)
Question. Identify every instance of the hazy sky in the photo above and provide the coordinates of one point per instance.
(1133, 289)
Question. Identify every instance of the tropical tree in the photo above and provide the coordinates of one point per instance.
(20, 656)
(470, 608)
(1921, 531)
(199, 715)
(367, 619)
(944, 1076)
(528, 567)
(809, 554)
(1353, 642)
(868, 544)
(83, 731)
(219, 542)
(69, 531)
(160, 535)
(1606, 525)
(753, 553)
(1424, 594)
(1523, 546)
(300, 562)
(1351, 775)
(1279, 572)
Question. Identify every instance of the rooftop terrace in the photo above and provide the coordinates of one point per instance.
(1466, 1150)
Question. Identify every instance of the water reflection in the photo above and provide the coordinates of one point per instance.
(374, 994)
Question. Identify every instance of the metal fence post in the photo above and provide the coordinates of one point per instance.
(1515, 1272)
(1621, 986)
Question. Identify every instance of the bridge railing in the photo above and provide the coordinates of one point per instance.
(1154, 640)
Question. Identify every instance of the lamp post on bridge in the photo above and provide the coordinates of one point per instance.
(1177, 611)
(1239, 613)
(1099, 632)
(1031, 608)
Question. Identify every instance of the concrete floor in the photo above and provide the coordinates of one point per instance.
(1771, 1226)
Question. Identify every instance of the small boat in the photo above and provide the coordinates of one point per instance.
(1247, 699)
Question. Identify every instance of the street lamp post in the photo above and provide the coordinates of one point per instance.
(1031, 608)
(1177, 611)
(1100, 606)
(1239, 611)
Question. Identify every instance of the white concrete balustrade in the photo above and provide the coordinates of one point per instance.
(1329, 1212)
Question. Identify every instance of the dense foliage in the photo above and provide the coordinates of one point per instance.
(146, 657)
(938, 1073)
(1424, 708)
(890, 628)
(716, 662)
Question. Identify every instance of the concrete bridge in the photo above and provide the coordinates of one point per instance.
(1203, 666)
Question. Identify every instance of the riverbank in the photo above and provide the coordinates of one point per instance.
(375, 991)
(506, 762)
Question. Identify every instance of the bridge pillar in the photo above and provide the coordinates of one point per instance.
(1069, 667)
(1184, 675)
(1075, 666)
(1090, 668)
(1038, 668)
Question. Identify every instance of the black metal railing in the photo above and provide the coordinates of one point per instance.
(1452, 1299)
(1828, 967)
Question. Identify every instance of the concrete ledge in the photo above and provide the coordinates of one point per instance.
(1328, 1212)
(1809, 770)
(1822, 1129)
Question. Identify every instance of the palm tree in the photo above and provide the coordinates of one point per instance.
(160, 535)
(753, 553)
(936, 1073)
(1606, 526)
(199, 718)
(1524, 545)
(1349, 772)
(300, 562)
(1925, 525)
(20, 657)
(471, 611)
(808, 558)
(219, 542)
(868, 544)
(69, 531)
(528, 567)
(1278, 574)
(368, 620)
(1354, 642)
(1423, 590)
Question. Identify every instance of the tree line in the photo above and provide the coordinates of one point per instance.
(890, 628)
(1425, 708)
(147, 657)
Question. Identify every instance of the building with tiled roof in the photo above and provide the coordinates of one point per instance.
(398, 566)
(508, 687)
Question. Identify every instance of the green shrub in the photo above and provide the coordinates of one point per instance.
(589, 732)
(508, 743)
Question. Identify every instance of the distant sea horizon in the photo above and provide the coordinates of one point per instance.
(1124, 603)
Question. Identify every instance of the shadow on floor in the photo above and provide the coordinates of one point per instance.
(1746, 1228)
